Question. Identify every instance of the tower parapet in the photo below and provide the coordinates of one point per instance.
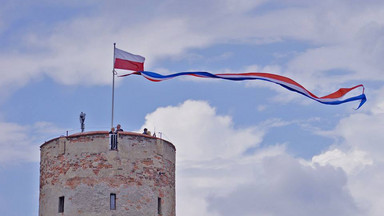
(81, 175)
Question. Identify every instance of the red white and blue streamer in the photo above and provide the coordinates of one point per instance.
(335, 98)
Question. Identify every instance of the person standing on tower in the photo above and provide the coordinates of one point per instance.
(113, 139)
(119, 129)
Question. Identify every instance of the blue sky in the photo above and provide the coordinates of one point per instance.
(243, 148)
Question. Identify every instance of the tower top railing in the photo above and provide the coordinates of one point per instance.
(106, 133)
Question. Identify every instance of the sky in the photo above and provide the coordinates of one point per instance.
(243, 148)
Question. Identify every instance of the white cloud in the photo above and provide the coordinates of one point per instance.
(376, 102)
(209, 151)
(358, 151)
(15, 144)
(200, 134)
(198, 181)
(353, 161)
(77, 50)
(286, 187)
(362, 131)
(215, 177)
(20, 143)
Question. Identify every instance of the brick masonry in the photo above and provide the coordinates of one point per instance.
(84, 170)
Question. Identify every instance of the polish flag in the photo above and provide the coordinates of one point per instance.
(128, 61)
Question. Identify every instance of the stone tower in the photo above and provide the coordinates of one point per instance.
(81, 175)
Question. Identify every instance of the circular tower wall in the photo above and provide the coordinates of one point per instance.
(81, 175)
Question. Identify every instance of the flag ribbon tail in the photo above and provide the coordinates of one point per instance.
(334, 98)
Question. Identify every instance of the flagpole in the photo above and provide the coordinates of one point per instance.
(113, 83)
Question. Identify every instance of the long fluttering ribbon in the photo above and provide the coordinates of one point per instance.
(334, 98)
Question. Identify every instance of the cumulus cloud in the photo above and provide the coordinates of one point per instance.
(200, 134)
(209, 148)
(286, 187)
(216, 177)
(353, 161)
(362, 130)
(358, 151)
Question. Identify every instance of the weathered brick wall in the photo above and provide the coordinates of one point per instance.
(84, 170)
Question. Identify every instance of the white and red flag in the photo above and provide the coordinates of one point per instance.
(128, 61)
